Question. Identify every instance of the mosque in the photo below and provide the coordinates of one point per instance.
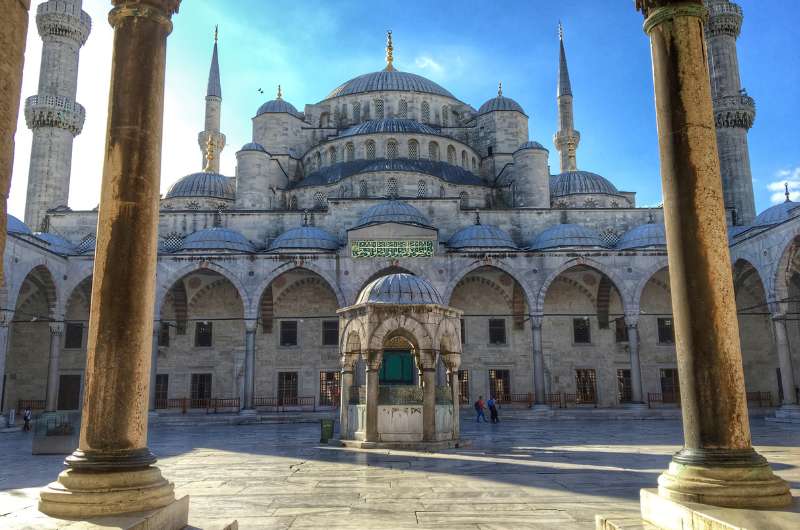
(392, 190)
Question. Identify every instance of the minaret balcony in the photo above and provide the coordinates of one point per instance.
(58, 18)
(724, 19)
(55, 111)
(735, 111)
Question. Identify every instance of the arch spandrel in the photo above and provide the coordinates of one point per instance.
(516, 275)
(624, 293)
(777, 276)
(264, 283)
(164, 284)
(42, 277)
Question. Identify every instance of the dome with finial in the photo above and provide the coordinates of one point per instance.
(480, 235)
(203, 184)
(15, 226)
(253, 146)
(500, 102)
(779, 212)
(56, 243)
(401, 288)
(580, 182)
(647, 235)
(305, 238)
(217, 238)
(566, 235)
(531, 144)
(392, 211)
(278, 105)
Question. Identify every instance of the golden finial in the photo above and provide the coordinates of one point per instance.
(216, 33)
(280, 93)
(209, 154)
(389, 50)
(786, 187)
(500, 89)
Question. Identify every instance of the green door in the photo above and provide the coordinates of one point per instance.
(397, 368)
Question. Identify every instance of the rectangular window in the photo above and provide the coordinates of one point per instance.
(162, 387)
(500, 384)
(621, 330)
(288, 333)
(624, 388)
(581, 330)
(329, 389)
(670, 386)
(585, 385)
(666, 335)
(330, 332)
(73, 335)
(201, 390)
(463, 331)
(463, 386)
(497, 331)
(69, 392)
(163, 334)
(203, 334)
(287, 388)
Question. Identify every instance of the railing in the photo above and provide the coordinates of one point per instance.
(174, 403)
(573, 400)
(284, 403)
(511, 399)
(212, 405)
(669, 398)
(554, 400)
(33, 404)
(762, 399)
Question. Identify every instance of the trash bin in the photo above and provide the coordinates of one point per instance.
(326, 430)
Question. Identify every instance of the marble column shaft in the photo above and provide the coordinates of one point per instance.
(346, 382)
(373, 367)
(632, 325)
(538, 359)
(249, 364)
(56, 330)
(428, 404)
(3, 351)
(784, 360)
(153, 367)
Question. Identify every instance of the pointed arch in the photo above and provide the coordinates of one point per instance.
(261, 288)
(456, 278)
(165, 284)
(617, 282)
(42, 278)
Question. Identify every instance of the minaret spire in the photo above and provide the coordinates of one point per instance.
(567, 138)
(389, 52)
(211, 137)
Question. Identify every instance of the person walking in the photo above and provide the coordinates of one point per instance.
(479, 409)
(26, 417)
(492, 404)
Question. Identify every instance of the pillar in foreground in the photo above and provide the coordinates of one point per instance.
(453, 363)
(345, 387)
(51, 400)
(632, 325)
(249, 363)
(784, 361)
(538, 359)
(113, 471)
(717, 464)
(373, 380)
(428, 396)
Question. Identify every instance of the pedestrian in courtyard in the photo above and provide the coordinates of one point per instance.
(492, 404)
(479, 409)
(26, 417)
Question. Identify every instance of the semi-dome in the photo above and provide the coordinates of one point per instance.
(532, 145)
(203, 184)
(56, 243)
(392, 211)
(15, 226)
(481, 236)
(388, 80)
(389, 125)
(305, 237)
(774, 214)
(253, 146)
(574, 182)
(500, 103)
(399, 288)
(278, 106)
(566, 235)
(643, 236)
(217, 238)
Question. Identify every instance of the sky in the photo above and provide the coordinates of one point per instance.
(311, 47)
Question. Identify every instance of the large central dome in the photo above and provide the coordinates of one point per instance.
(386, 80)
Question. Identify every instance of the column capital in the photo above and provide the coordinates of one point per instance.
(631, 320)
(160, 11)
(373, 359)
(658, 11)
(56, 328)
(250, 325)
(348, 361)
(537, 319)
(452, 361)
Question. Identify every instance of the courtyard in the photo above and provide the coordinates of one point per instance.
(520, 473)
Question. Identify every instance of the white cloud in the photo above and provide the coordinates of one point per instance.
(425, 62)
(790, 177)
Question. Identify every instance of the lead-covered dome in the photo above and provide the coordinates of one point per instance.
(531, 144)
(389, 125)
(278, 106)
(217, 238)
(500, 103)
(575, 182)
(305, 238)
(203, 184)
(399, 288)
(388, 80)
(481, 236)
(15, 226)
(392, 211)
(643, 236)
(776, 214)
(253, 146)
(566, 235)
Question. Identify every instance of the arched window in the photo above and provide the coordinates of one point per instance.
(350, 152)
(391, 188)
(433, 151)
(319, 200)
(441, 191)
(422, 190)
(356, 112)
(366, 110)
(318, 160)
(391, 149)
(378, 109)
(332, 155)
(463, 197)
(370, 149)
(293, 203)
(402, 109)
(413, 149)
(343, 113)
(445, 120)
(451, 155)
(324, 120)
(362, 189)
(464, 160)
(426, 112)
(474, 164)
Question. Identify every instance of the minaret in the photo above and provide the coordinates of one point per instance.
(53, 114)
(734, 110)
(213, 115)
(567, 138)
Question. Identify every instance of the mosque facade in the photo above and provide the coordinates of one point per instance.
(556, 281)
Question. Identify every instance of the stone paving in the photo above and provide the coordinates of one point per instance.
(518, 474)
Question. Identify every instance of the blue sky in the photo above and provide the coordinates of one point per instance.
(310, 47)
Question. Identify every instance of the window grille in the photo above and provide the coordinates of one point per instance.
(609, 236)
(293, 203)
(163, 334)
(370, 150)
(463, 198)
(500, 384)
(433, 151)
(172, 241)
(330, 332)
(329, 388)
(585, 385)
(621, 330)
(287, 388)
(445, 121)
(203, 334)
(670, 386)
(162, 387)
(200, 390)
(378, 109)
(73, 335)
(391, 188)
(332, 155)
(463, 386)
(421, 189)
(362, 189)
(288, 333)
(319, 199)
(350, 152)
(666, 333)
(451, 155)
(413, 149)
(402, 109)
(464, 163)
(426, 112)
(497, 331)
(624, 387)
(69, 392)
(391, 149)
(356, 112)
(581, 330)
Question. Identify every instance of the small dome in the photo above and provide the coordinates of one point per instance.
(500, 103)
(56, 243)
(643, 236)
(573, 182)
(389, 80)
(566, 235)
(532, 145)
(305, 237)
(399, 289)
(217, 238)
(391, 125)
(15, 226)
(203, 185)
(481, 236)
(278, 105)
(771, 216)
(253, 146)
(392, 211)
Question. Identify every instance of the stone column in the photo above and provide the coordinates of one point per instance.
(373, 369)
(538, 359)
(113, 471)
(3, 350)
(249, 364)
(429, 397)
(632, 325)
(717, 464)
(345, 384)
(453, 362)
(154, 367)
(56, 330)
(784, 361)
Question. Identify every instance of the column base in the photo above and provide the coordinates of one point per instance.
(91, 494)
